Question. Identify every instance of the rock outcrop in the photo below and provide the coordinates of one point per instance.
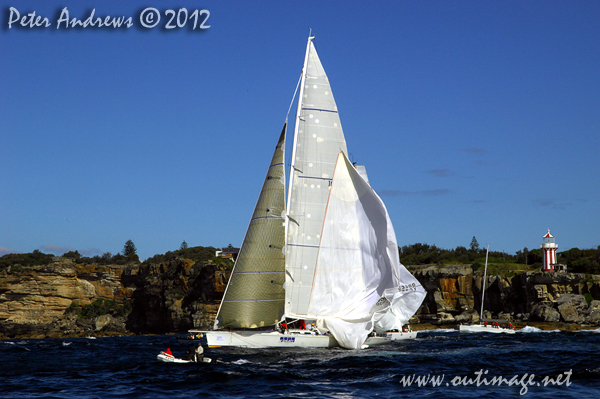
(34, 301)
(454, 296)
(62, 298)
(174, 296)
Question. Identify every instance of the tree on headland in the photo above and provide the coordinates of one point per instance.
(522, 256)
(183, 246)
(474, 244)
(129, 248)
(130, 252)
(72, 254)
(106, 257)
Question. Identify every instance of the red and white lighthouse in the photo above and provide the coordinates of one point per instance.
(549, 247)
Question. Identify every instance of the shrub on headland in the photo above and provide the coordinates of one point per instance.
(198, 254)
(36, 258)
(100, 307)
(577, 260)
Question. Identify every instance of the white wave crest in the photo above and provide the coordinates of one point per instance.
(442, 330)
(530, 329)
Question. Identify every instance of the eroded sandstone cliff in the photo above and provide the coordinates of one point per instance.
(63, 298)
(454, 296)
(68, 299)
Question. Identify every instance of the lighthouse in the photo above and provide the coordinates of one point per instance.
(549, 247)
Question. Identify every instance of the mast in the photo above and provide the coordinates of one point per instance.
(484, 281)
(296, 127)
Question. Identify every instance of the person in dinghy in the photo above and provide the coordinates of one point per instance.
(195, 354)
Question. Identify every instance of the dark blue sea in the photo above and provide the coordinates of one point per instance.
(439, 364)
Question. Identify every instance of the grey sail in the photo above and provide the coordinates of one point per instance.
(254, 296)
(318, 139)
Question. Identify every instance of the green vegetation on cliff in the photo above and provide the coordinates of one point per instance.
(101, 307)
(36, 258)
(126, 257)
(577, 260)
(197, 254)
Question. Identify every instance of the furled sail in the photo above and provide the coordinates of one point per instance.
(358, 272)
(318, 139)
(255, 296)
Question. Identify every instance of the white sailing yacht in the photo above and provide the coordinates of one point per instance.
(329, 259)
(489, 326)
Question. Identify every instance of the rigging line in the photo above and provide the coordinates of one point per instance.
(256, 300)
(317, 178)
(320, 109)
(302, 245)
(294, 96)
(275, 272)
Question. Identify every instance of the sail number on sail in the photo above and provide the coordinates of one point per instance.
(407, 287)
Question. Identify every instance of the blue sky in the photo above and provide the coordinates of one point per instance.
(473, 118)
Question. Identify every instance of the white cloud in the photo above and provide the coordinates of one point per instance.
(56, 250)
(4, 251)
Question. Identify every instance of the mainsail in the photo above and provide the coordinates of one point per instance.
(358, 277)
(254, 296)
(318, 138)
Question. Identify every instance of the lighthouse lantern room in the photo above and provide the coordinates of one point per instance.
(549, 247)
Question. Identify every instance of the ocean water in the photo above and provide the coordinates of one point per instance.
(438, 364)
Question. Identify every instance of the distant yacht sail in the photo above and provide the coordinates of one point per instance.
(481, 327)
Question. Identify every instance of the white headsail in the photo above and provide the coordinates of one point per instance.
(358, 278)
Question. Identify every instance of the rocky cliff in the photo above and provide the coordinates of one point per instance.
(454, 296)
(36, 301)
(68, 299)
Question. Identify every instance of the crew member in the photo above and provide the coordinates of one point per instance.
(200, 353)
(191, 353)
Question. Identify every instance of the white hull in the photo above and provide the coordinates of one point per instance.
(291, 339)
(476, 328)
(164, 357)
(399, 336)
(273, 339)
(385, 338)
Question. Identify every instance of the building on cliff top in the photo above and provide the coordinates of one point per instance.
(229, 252)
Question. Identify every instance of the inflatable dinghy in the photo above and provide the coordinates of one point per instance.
(165, 357)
